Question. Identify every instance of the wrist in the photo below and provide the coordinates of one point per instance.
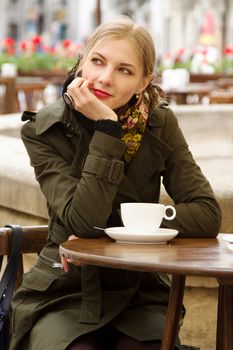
(112, 117)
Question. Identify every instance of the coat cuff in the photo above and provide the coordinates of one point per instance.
(109, 127)
(112, 170)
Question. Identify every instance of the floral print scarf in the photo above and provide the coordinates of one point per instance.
(133, 125)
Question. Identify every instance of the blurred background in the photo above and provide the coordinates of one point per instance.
(193, 40)
(179, 27)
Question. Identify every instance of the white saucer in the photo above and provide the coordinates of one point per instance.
(228, 237)
(120, 234)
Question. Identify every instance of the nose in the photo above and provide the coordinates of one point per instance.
(106, 76)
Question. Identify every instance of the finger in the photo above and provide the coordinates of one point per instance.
(71, 237)
(75, 94)
(76, 263)
(74, 86)
(87, 85)
(65, 264)
(76, 83)
(85, 97)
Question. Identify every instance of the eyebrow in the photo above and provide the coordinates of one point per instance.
(122, 64)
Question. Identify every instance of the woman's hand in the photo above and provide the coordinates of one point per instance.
(65, 262)
(87, 103)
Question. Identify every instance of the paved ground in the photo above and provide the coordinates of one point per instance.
(199, 328)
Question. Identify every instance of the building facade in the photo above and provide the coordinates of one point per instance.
(174, 24)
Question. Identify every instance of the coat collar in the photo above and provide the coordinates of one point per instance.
(57, 112)
(53, 113)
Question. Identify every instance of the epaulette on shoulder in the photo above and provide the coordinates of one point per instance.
(164, 104)
(28, 115)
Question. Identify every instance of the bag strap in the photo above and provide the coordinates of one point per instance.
(8, 280)
(1, 261)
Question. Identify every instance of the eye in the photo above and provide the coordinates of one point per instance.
(125, 70)
(96, 61)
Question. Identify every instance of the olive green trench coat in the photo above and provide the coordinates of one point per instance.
(84, 181)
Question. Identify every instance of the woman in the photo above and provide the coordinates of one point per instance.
(110, 140)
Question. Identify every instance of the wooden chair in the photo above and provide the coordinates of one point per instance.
(33, 240)
(32, 89)
(8, 103)
(22, 93)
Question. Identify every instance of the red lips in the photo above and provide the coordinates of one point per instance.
(101, 94)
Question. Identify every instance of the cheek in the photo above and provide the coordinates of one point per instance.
(86, 72)
(127, 92)
(123, 97)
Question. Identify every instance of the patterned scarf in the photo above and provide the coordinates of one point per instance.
(133, 122)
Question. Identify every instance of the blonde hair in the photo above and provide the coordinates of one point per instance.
(124, 28)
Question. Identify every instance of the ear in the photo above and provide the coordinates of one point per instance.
(144, 84)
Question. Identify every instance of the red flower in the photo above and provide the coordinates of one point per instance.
(178, 60)
(9, 42)
(66, 43)
(181, 51)
(37, 40)
(204, 51)
(228, 50)
(23, 45)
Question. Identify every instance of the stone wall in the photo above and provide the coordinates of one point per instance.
(21, 200)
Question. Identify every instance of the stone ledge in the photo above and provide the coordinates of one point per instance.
(18, 187)
(20, 190)
(11, 216)
(10, 124)
(207, 129)
(226, 108)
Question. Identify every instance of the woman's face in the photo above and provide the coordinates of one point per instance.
(115, 72)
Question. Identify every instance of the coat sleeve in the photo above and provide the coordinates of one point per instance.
(80, 204)
(198, 213)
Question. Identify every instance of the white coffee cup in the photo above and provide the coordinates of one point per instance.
(144, 217)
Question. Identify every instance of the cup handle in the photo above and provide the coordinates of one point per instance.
(173, 210)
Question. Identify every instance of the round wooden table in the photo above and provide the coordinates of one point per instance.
(180, 257)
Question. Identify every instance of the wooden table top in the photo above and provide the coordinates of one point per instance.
(186, 256)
